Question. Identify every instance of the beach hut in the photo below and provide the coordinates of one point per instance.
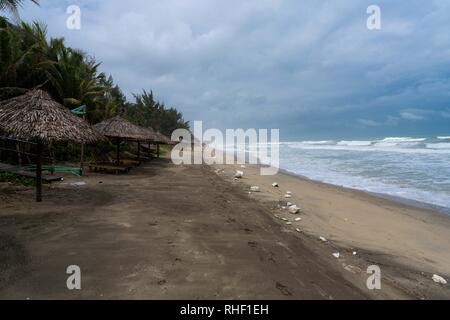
(35, 116)
(119, 129)
(161, 139)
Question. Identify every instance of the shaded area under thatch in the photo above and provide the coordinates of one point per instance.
(118, 129)
(36, 116)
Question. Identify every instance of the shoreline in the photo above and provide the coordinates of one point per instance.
(406, 240)
(405, 201)
(190, 232)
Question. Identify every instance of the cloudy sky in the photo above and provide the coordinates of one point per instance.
(310, 68)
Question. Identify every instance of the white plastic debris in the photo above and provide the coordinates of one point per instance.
(78, 184)
(287, 196)
(288, 192)
(288, 223)
(298, 230)
(294, 209)
(242, 166)
(283, 207)
(289, 204)
(354, 253)
(255, 189)
(239, 174)
(284, 219)
(298, 219)
(275, 185)
(336, 255)
(438, 279)
(323, 239)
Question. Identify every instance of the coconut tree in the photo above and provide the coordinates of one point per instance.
(13, 5)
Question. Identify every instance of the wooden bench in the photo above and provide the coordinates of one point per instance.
(99, 167)
(130, 163)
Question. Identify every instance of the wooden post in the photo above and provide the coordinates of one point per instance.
(157, 150)
(39, 172)
(118, 151)
(149, 150)
(139, 152)
(19, 154)
(82, 149)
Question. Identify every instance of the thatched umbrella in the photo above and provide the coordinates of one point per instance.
(120, 129)
(161, 139)
(36, 116)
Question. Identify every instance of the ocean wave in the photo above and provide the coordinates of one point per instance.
(444, 138)
(441, 145)
(379, 148)
(317, 142)
(402, 139)
(354, 143)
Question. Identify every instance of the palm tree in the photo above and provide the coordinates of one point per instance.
(13, 5)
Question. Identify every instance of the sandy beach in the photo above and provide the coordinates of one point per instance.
(187, 232)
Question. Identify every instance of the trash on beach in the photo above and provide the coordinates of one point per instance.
(289, 204)
(219, 171)
(287, 196)
(438, 279)
(352, 269)
(242, 166)
(275, 185)
(255, 189)
(294, 209)
(336, 255)
(283, 207)
(298, 219)
(323, 239)
(288, 192)
(284, 219)
(298, 230)
(239, 174)
(78, 184)
(289, 223)
(354, 253)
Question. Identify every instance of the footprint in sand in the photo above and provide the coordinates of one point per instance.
(283, 289)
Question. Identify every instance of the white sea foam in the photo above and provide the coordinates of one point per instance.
(410, 168)
(444, 138)
(402, 139)
(441, 145)
(354, 143)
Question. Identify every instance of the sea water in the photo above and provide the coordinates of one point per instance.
(408, 168)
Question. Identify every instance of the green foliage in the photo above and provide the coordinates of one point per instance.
(148, 112)
(15, 178)
(28, 59)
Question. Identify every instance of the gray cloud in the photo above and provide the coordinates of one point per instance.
(309, 67)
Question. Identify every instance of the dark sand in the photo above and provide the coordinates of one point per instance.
(163, 232)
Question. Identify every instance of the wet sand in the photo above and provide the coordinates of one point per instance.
(409, 243)
(185, 232)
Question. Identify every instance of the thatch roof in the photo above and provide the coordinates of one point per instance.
(162, 138)
(118, 127)
(36, 116)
